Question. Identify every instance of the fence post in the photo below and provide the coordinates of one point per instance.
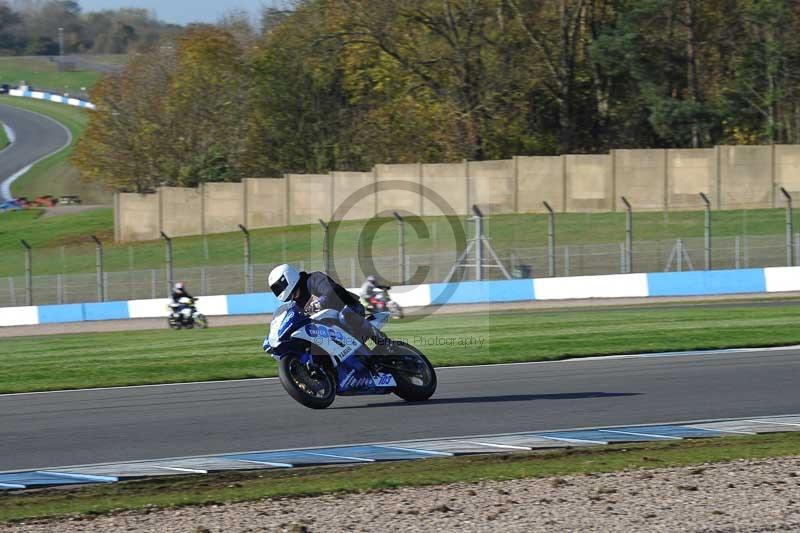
(28, 273)
(401, 228)
(168, 243)
(326, 252)
(679, 254)
(13, 291)
(622, 258)
(551, 240)
(737, 247)
(707, 230)
(628, 235)
(248, 278)
(477, 215)
(101, 293)
(797, 248)
(789, 243)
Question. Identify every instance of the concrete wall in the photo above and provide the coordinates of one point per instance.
(640, 177)
(394, 196)
(787, 171)
(540, 179)
(447, 181)
(266, 202)
(690, 172)
(589, 183)
(492, 185)
(224, 206)
(181, 211)
(310, 198)
(731, 176)
(353, 195)
(746, 176)
(135, 217)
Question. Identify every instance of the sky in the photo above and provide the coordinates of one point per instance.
(182, 11)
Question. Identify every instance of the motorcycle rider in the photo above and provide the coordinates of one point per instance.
(316, 290)
(369, 289)
(178, 308)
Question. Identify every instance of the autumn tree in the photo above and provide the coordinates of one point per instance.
(127, 136)
(174, 116)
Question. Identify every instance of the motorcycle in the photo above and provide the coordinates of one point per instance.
(318, 360)
(187, 317)
(381, 301)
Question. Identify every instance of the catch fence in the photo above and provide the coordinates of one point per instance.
(745, 251)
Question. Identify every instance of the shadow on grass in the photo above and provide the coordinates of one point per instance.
(500, 398)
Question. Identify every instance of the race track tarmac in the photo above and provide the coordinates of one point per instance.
(35, 137)
(79, 427)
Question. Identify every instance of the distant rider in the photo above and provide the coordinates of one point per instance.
(369, 289)
(316, 291)
(178, 308)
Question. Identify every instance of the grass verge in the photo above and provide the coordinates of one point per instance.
(55, 175)
(162, 356)
(42, 73)
(247, 486)
(52, 232)
(3, 137)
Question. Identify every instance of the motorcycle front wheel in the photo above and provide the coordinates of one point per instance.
(200, 321)
(309, 384)
(395, 310)
(414, 374)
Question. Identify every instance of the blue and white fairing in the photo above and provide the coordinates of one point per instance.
(291, 331)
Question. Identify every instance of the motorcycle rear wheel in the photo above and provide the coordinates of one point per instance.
(417, 381)
(310, 386)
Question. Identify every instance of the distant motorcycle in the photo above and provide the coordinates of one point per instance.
(318, 360)
(381, 301)
(183, 314)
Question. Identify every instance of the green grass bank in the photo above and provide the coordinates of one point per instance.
(72, 251)
(42, 73)
(4, 141)
(141, 357)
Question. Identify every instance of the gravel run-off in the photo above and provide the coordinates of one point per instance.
(744, 495)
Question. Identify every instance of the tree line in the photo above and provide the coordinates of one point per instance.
(346, 84)
(31, 27)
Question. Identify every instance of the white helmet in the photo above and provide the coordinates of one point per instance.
(179, 286)
(282, 281)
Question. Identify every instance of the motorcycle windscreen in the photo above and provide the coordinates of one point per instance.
(284, 320)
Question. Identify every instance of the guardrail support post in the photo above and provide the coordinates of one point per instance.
(168, 243)
(28, 272)
(401, 252)
(248, 273)
(628, 236)
(551, 240)
(101, 294)
(326, 246)
(789, 243)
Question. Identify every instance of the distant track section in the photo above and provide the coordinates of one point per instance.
(35, 137)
